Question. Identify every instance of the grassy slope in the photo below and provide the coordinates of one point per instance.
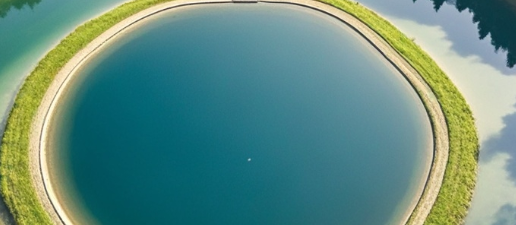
(459, 180)
(16, 184)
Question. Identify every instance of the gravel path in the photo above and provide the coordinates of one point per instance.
(40, 129)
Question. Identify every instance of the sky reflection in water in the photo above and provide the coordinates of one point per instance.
(448, 36)
(459, 26)
(480, 73)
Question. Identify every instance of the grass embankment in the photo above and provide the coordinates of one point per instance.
(16, 183)
(459, 180)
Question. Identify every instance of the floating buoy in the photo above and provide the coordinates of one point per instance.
(249, 159)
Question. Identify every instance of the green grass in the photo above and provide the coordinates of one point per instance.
(16, 183)
(19, 193)
(459, 180)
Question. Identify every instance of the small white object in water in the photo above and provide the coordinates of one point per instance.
(249, 159)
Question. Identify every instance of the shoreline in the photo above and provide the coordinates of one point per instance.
(420, 205)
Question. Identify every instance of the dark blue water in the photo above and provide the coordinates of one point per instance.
(241, 114)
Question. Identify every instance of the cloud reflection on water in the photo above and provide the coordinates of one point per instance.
(494, 189)
(494, 19)
(492, 97)
(506, 215)
(504, 142)
(459, 28)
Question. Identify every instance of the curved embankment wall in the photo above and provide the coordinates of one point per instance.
(53, 83)
(58, 87)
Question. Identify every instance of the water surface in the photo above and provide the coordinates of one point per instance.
(452, 39)
(241, 114)
(449, 36)
(30, 28)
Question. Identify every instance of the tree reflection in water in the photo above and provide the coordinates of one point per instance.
(496, 18)
(7, 5)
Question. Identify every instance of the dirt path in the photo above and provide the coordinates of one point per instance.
(40, 128)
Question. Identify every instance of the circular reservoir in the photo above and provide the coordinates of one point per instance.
(239, 114)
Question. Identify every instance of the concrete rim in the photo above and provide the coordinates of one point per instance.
(420, 206)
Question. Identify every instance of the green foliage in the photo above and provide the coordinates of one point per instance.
(460, 176)
(16, 183)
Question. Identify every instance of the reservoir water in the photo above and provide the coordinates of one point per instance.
(28, 28)
(239, 114)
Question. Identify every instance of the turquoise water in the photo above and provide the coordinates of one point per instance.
(28, 29)
(26, 34)
(241, 114)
